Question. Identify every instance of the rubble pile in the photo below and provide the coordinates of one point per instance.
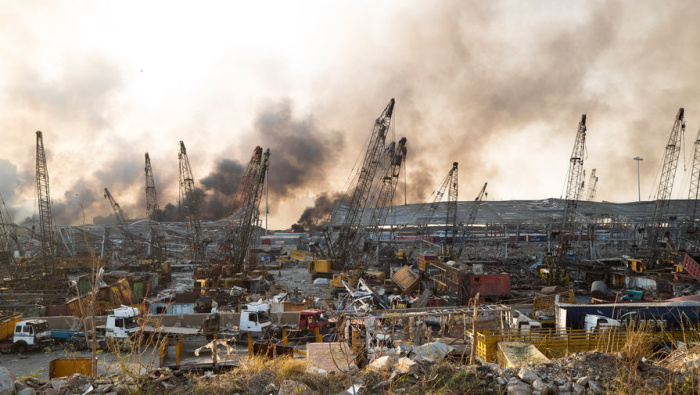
(580, 373)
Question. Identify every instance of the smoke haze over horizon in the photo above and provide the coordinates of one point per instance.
(497, 86)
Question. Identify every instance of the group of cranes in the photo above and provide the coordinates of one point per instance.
(342, 249)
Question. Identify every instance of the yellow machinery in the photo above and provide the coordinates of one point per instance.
(321, 268)
(636, 265)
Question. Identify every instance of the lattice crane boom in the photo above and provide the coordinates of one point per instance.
(694, 191)
(668, 173)
(156, 246)
(189, 198)
(121, 218)
(349, 234)
(46, 225)
(238, 232)
(451, 215)
(592, 186)
(556, 274)
(449, 185)
(397, 155)
(472, 218)
(151, 195)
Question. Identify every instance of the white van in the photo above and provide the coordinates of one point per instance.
(522, 323)
(594, 322)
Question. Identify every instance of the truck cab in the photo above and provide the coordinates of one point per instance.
(255, 318)
(312, 319)
(121, 322)
(31, 334)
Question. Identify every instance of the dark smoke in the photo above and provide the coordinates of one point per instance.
(301, 151)
(224, 179)
(220, 185)
(320, 211)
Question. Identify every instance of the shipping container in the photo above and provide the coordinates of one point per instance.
(425, 259)
(406, 279)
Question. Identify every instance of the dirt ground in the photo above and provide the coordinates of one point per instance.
(36, 363)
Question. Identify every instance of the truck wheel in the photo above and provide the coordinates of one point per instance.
(21, 347)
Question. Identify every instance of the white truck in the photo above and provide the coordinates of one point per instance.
(255, 319)
(120, 326)
(31, 334)
(121, 322)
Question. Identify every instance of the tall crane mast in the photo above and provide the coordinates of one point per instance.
(592, 186)
(151, 196)
(238, 232)
(156, 246)
(45, 210)
(694, 192)
(554, 272)
(396, 155)
(449, 185)
(472, 218)
(349, 234)
(451, 215)
(187, 193)
(7, 259)
(668, 173)
(121, 218)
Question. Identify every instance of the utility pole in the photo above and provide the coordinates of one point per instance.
(639, 190)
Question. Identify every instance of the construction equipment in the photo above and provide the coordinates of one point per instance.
(133, 240)
(694, 195)
(8, 237)
(660, 224)
(343, 250)
(156, 247)
(121, 218)
(396, 154)
(449, 185)
(47, 255)
(471, 219)
(189, 199)
(554, 273)
(239, 230)
(592, 186)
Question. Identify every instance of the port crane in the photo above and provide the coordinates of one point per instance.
(156, 247)
(342, 251)
(245, 213)
(659, 227)
(46, 225)
(450, 187)
(396, 154)
(189, 200)
(554, 273)
(471, 219)
(592, 186)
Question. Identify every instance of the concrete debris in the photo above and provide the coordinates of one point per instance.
(7, 382)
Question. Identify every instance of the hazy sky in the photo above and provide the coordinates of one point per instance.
(498, 86)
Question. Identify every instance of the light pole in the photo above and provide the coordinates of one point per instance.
(639, 190)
